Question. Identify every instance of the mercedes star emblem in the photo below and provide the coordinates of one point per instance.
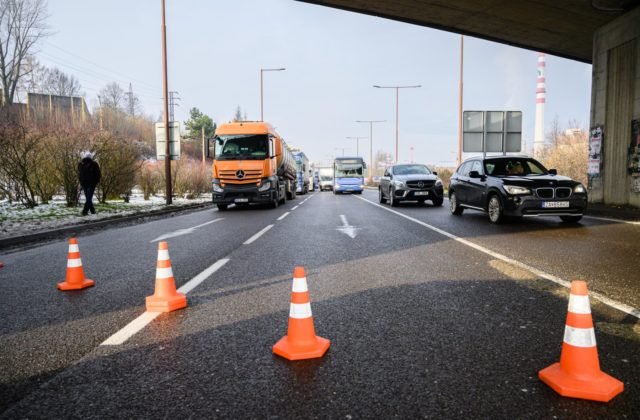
(420, 184)
(240, 174)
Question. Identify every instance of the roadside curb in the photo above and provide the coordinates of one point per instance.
(72, 230)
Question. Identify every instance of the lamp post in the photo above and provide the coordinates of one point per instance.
(165, 85)
(357, 143)
(371, 122)
(397, 88)
(459, 157)
(261, 90)
(343, 149)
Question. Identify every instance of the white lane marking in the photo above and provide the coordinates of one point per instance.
(257, 235)
(610, 302)
(145, 319)
(194, 282)
(131, 329)
(346, 228)
(608, 219)
(295, 207)
(283, 216)
(181, 232)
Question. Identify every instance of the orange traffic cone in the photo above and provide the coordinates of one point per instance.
(301, 341)
(75, 274)
(578, 374)
(165, 298)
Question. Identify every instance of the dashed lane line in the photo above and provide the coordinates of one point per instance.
(610, 302)
(295, 207)
(146, 318)
(283, 216)
(257, 235)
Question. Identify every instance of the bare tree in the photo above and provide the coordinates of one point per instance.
(60, 83)
(113, 96)
(22, 25)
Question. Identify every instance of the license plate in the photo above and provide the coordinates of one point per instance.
(555, 204)
(421, 193)
(241, 200)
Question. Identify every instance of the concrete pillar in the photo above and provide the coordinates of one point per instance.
(615, 107)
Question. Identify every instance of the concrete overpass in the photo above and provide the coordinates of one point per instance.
(604, 33)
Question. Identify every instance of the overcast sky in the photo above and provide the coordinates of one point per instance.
(332, 59)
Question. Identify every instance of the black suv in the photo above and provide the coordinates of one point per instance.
(410, 182)
(515, 186)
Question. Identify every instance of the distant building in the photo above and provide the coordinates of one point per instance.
(47, 107)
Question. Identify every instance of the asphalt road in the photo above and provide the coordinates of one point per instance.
(429, 315)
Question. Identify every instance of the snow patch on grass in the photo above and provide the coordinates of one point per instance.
(16, 219)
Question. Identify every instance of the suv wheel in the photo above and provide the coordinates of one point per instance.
(381, 198)
(494, 208)
(453, 205)
(392, 199)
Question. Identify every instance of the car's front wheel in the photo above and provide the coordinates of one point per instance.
(381, 198)
(222, 207)
(453, 205)
(392, 201)
(571, 219)
(495, 210)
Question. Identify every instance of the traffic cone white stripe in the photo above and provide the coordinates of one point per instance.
(579, 337)
(74, 248)
(579, 304)
(164, 273)
(74, 262)
(163, 254)
(300, 310)
(300, 285)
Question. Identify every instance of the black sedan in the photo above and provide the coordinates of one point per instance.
(515, 186)
(410, 182)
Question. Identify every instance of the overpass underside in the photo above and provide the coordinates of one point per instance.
(604, 33)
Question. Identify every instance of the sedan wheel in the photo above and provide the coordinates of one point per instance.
(392, 200)
(453, 205)
(496, 213)
(381, 198)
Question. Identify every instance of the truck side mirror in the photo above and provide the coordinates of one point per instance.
(211, 148)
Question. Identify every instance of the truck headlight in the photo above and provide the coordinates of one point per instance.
(265, 186)
(217, 188)
(579, 189)
(516, 190)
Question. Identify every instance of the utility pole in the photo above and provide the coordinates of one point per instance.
(203, 145)
(371, 122)
(165, 84)
(459, 160)
(100, 102)
(132, 109)
(357, 144)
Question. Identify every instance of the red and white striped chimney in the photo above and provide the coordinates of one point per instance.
(541, 95)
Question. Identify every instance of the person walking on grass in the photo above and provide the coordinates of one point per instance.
(89, 175)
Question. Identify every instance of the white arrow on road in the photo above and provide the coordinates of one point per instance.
(346, 228)
(181, 232)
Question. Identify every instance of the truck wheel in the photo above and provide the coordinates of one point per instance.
(222, 207)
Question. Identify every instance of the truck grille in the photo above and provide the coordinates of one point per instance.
(250, 176)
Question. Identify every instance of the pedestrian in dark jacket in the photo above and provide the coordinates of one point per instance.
(89, 175)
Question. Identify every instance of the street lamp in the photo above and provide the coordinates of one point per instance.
(343, 149)
(397, 88)
(261, 90)
(357, 143)
(371, 122)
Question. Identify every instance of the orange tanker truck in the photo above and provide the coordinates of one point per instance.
(251, 164)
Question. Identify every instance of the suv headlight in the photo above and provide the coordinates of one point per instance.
(399, 184)
(516, 190)
(579, 189)
(438, 182)
(265, 186)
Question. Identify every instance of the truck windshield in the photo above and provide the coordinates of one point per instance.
(241, 147)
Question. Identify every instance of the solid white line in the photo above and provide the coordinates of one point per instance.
(295, 207)
(145, 319)
(257, 235)
(607, 219)
(283, 216)
(614, 304)
(194, 282)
